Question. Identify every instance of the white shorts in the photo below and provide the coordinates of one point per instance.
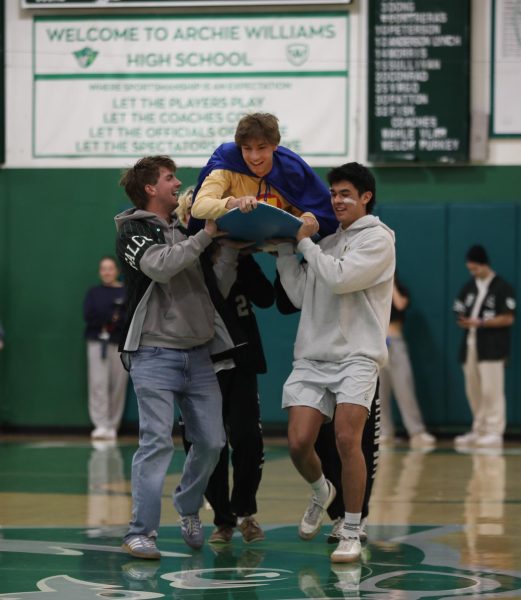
(323, 385)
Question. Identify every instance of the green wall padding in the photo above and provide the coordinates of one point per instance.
(4, 220)
(420, 261)
(55, 224)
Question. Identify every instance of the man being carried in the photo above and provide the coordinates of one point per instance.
(255, 169)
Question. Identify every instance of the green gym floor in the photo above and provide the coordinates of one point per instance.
(442, 525)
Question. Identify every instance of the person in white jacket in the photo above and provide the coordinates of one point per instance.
(344, 290)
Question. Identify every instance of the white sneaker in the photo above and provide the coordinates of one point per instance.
(335, 534)
(362, 534)
(103, 433)
(489, 440)
(348, 550)
(422, 440)
(348, 577)
(111, 434)
(467, 439)
(99, 433)
(314, 515)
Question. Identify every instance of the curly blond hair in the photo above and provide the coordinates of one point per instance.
(183, 209)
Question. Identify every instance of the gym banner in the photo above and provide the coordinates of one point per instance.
(419, 85)
(124, 87)
(167, 3)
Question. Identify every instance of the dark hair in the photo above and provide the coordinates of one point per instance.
(358, 175)
(109, 257)
(258, 126)
(144, 172)
(477, 254)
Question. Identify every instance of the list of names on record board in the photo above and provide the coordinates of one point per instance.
(418, 80)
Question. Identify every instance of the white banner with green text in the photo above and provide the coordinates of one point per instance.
(126, 87)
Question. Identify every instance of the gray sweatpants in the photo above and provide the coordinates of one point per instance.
(107, 385)
(397, 377)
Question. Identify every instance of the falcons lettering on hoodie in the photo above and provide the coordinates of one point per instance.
(136, 243)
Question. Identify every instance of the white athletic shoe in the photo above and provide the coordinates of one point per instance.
(103, 433)
(422, 440)
(335, 534)
(348, 550)
(489, 440)
(314, 515)
(467, 439)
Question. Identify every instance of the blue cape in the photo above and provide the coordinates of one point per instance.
(290, 175)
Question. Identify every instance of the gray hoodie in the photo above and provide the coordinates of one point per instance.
(344, 292)
(176, 310)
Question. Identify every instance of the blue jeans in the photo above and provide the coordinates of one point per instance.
(162, 376)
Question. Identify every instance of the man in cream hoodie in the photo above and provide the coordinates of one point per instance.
(344, 290)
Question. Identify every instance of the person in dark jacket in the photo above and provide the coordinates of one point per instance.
(255, 168)
(485, 310)
(238, 382)
(241, 412)
(104, 314)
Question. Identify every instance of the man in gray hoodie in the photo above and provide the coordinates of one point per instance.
(170, 322)
(344, 291)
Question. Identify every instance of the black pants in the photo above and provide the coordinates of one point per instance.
(325, 447)
(242, 422)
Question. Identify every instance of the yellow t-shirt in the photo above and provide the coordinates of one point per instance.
(221, 185)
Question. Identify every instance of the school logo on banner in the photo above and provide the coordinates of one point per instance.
(297, 54)
(85, 56)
